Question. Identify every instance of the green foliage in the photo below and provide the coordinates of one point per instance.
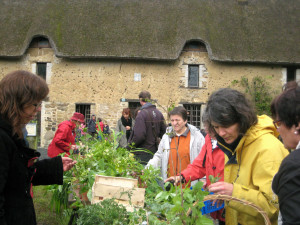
(172, 207)
(259, 92)
(106, 212)
(105, 158)
(44, 214)
(213, 179)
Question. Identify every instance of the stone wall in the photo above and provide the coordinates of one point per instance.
(102, 83)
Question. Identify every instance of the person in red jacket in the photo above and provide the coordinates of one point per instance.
(210, 161)
(64, 138)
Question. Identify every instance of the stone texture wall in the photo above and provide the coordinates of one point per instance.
(102, 83)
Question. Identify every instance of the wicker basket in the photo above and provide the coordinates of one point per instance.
(244, 202)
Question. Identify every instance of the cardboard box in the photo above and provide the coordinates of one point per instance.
(124, 190)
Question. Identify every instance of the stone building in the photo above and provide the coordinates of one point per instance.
(97, 55)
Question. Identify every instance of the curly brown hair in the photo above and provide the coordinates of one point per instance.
(18, 89)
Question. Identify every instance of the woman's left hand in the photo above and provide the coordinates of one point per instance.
(68, 163)
(128, 127)
(221, 188)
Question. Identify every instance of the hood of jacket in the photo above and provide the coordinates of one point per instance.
(148, 105)
(67, 123)
(264, 126)
(192, 129)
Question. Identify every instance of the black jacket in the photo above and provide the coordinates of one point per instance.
(92, 126)
(17, 174)
(142, 135)
(286, 184)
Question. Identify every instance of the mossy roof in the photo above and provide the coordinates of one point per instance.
(265, 31)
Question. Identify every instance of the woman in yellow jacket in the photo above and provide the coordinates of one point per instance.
(252, 156)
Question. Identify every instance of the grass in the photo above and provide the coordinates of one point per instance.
(44, 214)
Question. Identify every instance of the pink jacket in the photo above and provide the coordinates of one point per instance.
(63, 139)
(207, 163)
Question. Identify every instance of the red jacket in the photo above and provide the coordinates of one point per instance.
(101, 126)
(63, 139)
(207, 163)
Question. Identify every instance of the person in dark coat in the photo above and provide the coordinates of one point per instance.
(149, 127)
(92, 125)
(286, 183)
(21, 93)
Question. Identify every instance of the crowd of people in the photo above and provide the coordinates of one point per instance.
(240, 148)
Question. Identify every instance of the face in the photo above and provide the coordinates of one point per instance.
(126, 116)
(229, 134)
(30, 111)
(178, 123)
(289, 138)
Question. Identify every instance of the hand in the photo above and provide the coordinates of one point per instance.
(177, 179)
(127, 127)
(221, 188)
(68, 163)
(74, 147)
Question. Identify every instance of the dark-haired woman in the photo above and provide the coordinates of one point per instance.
(286, 184)
(179, 146)
(253, 155)
(124, 126)
(21, 94)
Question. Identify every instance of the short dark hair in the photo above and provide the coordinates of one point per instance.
(227, 107)
(144, 96)
(180, 111)
(207, 124)
(286, 106)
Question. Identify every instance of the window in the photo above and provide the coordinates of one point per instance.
(193, 76)
(290, 74)
(84, 109)
(194, 114)
(41, 70)
(40, 42)
(195, 46)
(133, 106)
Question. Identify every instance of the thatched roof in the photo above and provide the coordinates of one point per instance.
(265, 31)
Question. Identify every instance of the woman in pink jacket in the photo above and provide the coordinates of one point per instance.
(64, 138)
(210, 161)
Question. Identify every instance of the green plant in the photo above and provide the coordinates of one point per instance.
(259, 92)
(102, 158)
(106, 212)
(177, 206)
(213, 179)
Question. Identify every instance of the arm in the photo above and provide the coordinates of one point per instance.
(139, 130)
(286, 185)
(196, 170)
(118, 128)
(5, 158)
(163, 127)
(60, 138)
(263, 195)
(158, 156)
(48, 171)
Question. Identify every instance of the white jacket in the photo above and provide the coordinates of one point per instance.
(161, 157)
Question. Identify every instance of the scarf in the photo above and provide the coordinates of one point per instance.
(126, 123)
(229, 149)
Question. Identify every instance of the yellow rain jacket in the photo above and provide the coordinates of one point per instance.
(259, 155)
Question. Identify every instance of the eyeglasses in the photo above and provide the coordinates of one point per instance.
(37, 105)
(277, 123)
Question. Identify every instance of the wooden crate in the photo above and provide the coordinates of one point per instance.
(124, 190)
